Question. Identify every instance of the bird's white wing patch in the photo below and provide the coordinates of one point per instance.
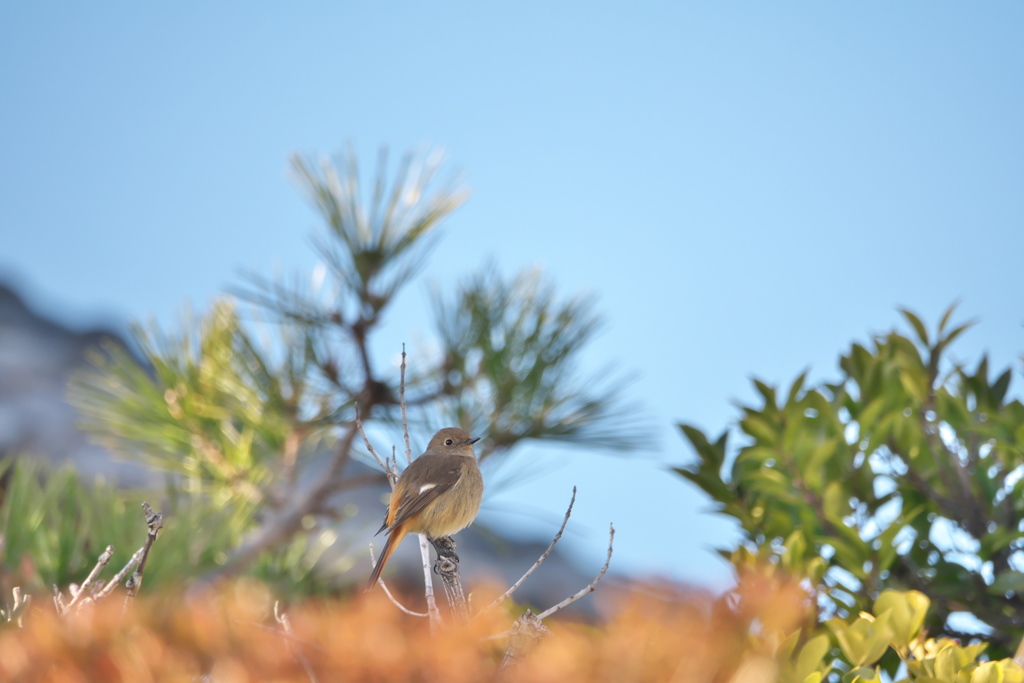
(427, 487)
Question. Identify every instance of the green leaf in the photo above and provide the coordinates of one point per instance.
(794, 390)
(864, 673)
(853, 643)
(907, 611)
(795, 548)
(951, 337)
(918, 326)
(866, 640)
(785, 649)
(997, 540)
(811, 654)
(815, 468)
(704, 448)
(953, 408)
(989, 672)
(946, 316)
(767, 392)
(915, 383)
(1000, 387)
(887, 539)
(1013, 672)
(836, 502)
(949, 661)
(759, 428)
(1007, 582)
(869, 415)
(879, 640)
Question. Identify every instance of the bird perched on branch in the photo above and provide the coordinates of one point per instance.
(438, 494)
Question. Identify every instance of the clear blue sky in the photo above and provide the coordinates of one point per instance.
(748, 187)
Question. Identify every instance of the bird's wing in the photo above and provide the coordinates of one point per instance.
(437, 476)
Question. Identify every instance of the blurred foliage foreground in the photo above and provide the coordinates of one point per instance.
(761, 632)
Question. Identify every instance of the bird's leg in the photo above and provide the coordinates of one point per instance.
(445, 547)
(447, 567)
(447, 559)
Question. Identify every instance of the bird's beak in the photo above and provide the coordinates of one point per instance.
(472, 441)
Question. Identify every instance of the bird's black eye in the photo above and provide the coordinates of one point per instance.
(448, 442)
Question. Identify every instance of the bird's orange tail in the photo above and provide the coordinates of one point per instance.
(394, 538)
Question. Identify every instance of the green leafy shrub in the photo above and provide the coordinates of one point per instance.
(906, 473)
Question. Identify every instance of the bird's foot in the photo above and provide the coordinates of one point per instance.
(445, 548)
(446, 566)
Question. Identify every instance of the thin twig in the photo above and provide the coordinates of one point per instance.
(383, 464)
(428, 580)
(405, 417)
(390, 467)
(507, 594)
(593, 584)
(119, 576)
(282, 633)
(392, 475)
(58, 600)
(20, 603)
(428, 585)
(102, 562)
(282, 618)
(154, 523)
(523, 637)
(394, 601)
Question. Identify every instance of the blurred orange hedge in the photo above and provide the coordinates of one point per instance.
(230, 636)
(765, 630)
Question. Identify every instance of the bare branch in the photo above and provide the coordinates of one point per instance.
(428, 585)
(428, 579)
(154, 523)
(281, 632)
(119, 576)
(17, 609)
(392, 476)
(102, 562)
(405, 417)
(58, 600)
(522, 637)
(447, 567)
(286, 624)
(507, 594)
(394, 601)
(593, 584)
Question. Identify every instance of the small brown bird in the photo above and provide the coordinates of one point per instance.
(438, 494)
